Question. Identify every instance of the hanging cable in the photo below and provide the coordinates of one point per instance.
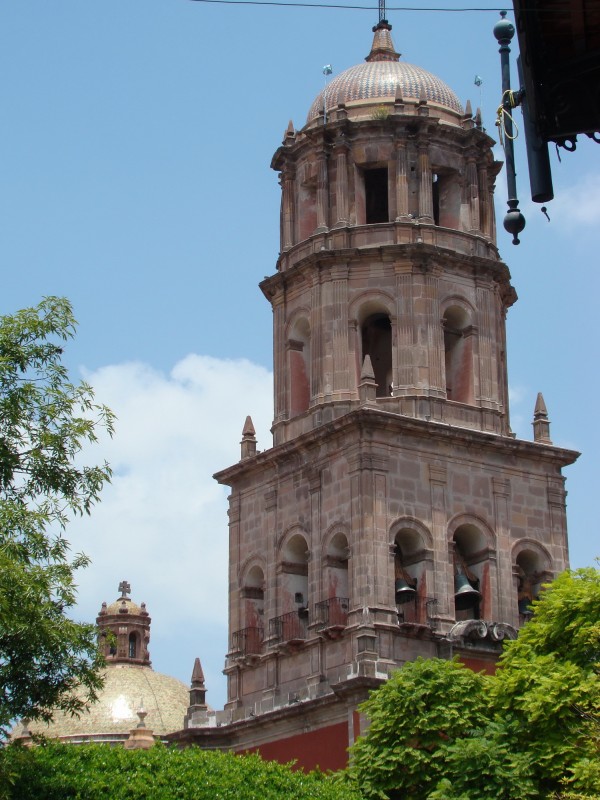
(293, 4)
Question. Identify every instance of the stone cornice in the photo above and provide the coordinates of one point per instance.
(367, 418)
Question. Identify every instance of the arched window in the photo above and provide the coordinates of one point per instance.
(253, 597)
(458, 350)
(532, 571)
(470, 555)
(295, 574)
(250, 638)
(410, 577)
(299, 367)
(332, 611)
(446, 199)
(292, 624)
(132, 645)
(376, 332)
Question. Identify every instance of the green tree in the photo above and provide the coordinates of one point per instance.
(440, 732)
(45, 420)
(547, 688)
(415, 717)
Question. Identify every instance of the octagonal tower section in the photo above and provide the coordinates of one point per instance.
(388, 250)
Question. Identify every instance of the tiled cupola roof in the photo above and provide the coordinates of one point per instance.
(384, 76)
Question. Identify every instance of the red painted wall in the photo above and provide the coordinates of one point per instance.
(479, 665)
(325, 748)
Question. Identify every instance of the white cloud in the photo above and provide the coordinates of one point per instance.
(579, 204)
(162, 523)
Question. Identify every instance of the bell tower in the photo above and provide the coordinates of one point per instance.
(124, 630)
(396, 514)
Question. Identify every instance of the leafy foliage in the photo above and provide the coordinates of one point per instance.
(547, 689)
(100, 772)
(439, 732)
(415, 717)
(45, 420)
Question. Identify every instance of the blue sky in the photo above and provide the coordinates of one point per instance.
(134, 179)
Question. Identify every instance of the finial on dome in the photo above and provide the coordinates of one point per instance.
(125, 588)
(382, 48)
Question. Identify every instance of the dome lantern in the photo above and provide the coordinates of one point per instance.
(124, 629)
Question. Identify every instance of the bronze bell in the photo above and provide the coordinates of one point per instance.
(465, 594)
(404, 591)
(525, 609)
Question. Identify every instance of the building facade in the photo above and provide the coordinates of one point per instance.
(396, 514)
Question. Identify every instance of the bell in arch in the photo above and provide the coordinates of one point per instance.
(404, 591)
(465, 594)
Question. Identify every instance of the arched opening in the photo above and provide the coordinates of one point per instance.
(445, 193)
(133, 645)
(470, 572)
(458, 355)
(333, 610)
(299, 367)
(376, 195)
(293, 622)
(410, 579)
(376, 333)
(531, 574)
(250, 638)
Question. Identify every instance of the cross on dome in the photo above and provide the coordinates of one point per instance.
(125, 588)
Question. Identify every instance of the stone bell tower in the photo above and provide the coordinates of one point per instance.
(124, 629)
(396, 514)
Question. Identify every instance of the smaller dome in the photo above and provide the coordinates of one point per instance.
(383, 76)
(124, 605)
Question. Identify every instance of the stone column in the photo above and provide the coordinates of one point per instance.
(435, 335)
(404, 378)
(339, 337)
(341, 185)
(444, 571)
(484, 199)
(401, 181)
(558, 523)
(322, 194)
(504, 608)
(488, 346)
(425, 189)
(287, 209)
(316, 337)
(280, 367)
(473, 190)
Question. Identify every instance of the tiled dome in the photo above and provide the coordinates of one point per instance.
(124, 605)
(381, 77)
(126, 686)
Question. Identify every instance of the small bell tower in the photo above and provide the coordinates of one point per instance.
(124, 630)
